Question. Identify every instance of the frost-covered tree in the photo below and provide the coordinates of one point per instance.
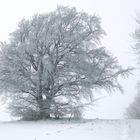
(133, 111)
(53, 62)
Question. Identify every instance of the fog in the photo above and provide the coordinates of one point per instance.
(118, 21)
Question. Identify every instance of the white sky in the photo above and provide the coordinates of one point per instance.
(118, 22)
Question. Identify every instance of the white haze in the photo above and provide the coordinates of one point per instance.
(118, 22)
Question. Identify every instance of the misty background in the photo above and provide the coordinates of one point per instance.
(118, 20)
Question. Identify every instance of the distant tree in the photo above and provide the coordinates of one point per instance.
(53, 61)
(133, 111)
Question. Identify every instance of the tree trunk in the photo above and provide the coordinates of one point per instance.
(40, 100)
(47, 108)
(44, 108)
(41, 110)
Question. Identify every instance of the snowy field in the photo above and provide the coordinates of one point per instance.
(65, 130)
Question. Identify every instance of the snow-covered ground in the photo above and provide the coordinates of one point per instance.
(73, 130)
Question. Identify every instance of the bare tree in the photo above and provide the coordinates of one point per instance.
(53, 61)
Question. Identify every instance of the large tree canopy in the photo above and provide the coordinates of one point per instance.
(53, 61)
